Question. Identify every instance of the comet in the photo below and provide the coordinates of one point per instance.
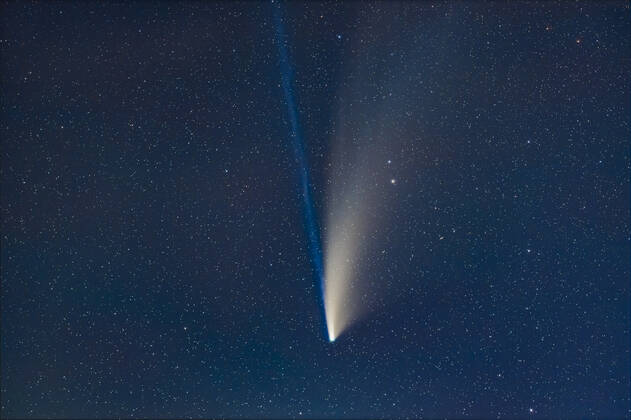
(373, 127)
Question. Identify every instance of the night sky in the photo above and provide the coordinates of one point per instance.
(167, 170)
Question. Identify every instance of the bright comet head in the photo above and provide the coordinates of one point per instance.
(331, 332)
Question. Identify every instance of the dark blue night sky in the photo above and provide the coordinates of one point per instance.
(166, 178)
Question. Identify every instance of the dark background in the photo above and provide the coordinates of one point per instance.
(154, 258)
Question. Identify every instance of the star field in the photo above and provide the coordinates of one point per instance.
(154, 260)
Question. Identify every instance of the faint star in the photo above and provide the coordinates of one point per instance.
(393, 181)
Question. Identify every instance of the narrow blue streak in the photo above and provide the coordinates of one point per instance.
(298, 146)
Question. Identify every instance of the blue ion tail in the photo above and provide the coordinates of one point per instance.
(300, 158)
